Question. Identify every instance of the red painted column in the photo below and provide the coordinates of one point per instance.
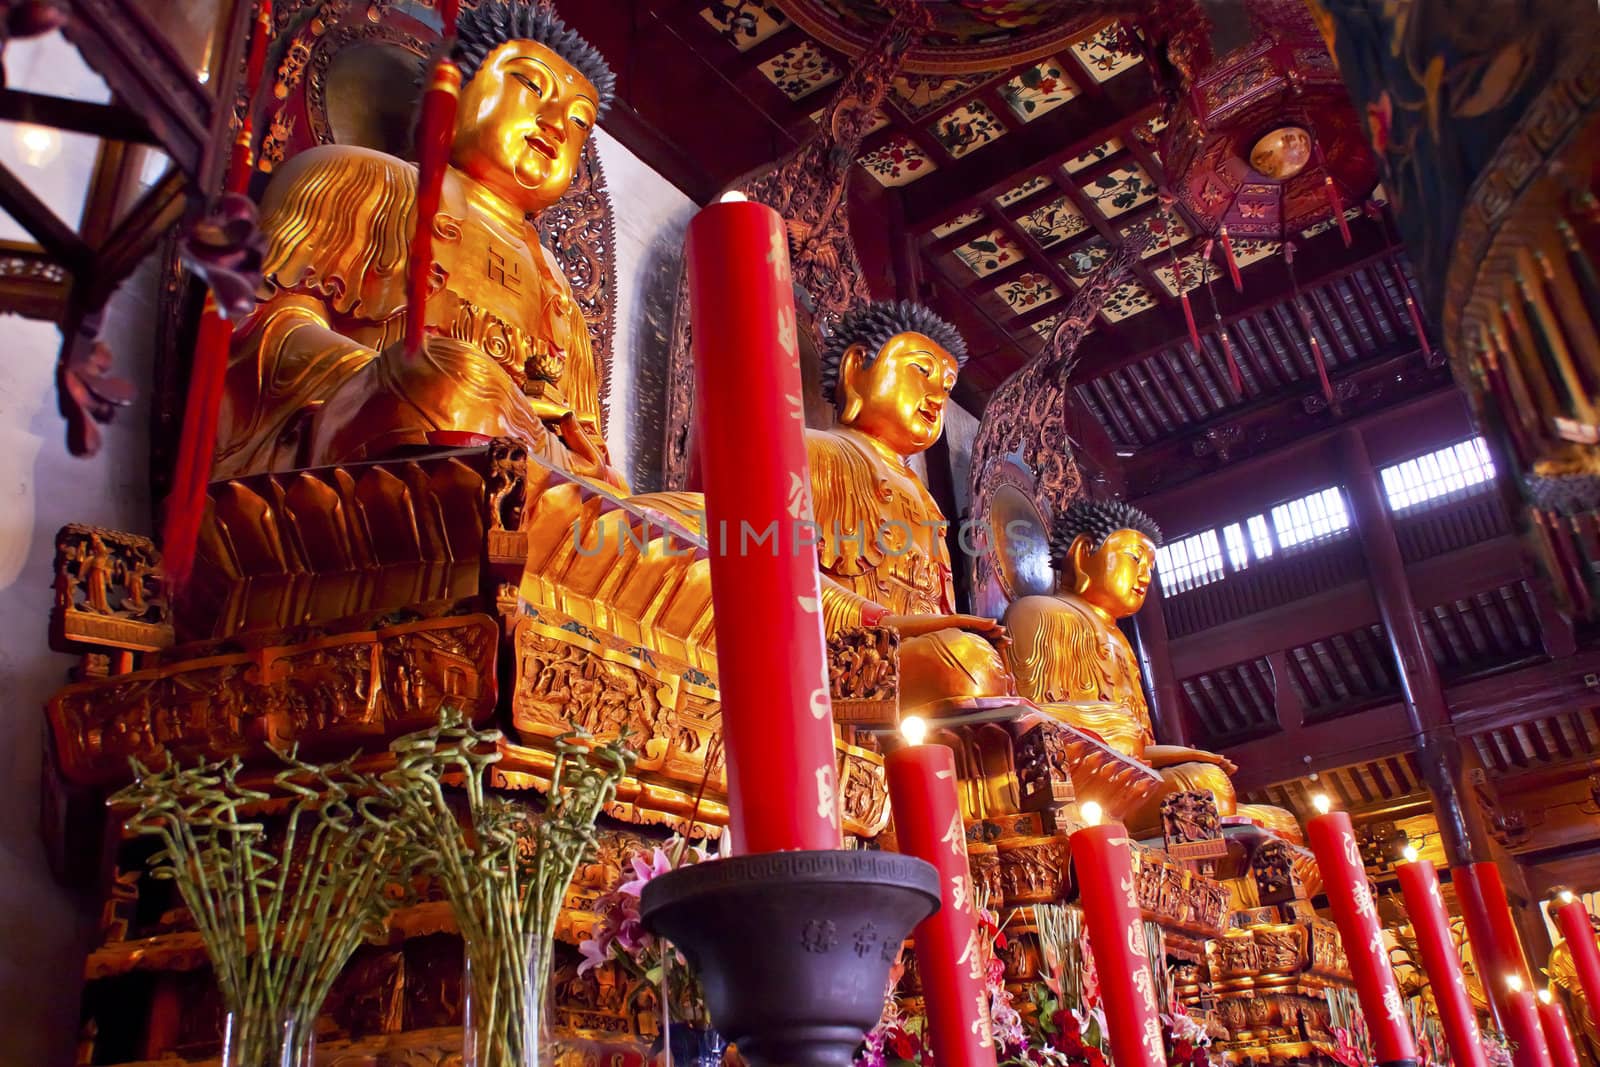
(777, 720)
(950, 964)
(1419, 884)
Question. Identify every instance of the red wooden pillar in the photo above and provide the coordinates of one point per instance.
(1426, 711)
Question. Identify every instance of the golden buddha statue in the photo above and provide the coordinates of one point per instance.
(1069, 657)
(888, 368)
(320, 373)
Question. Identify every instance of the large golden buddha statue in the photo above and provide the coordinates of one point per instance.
(1070, 658)
(888, 369)
(320, 373)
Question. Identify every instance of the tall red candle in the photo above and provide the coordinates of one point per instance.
(1498, 905)
(950, 964)
(1102, 863)
(1344, 880)
(1523, 1027)
(1419, 884)
(1573, 918)
(1487, 959)
(777, 721)
(1557, 1032)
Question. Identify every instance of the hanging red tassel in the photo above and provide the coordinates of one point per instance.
(1233, 264)
(1337, 208)
(1233, 364)
(1335, 204)
(434, 129)
(1411, 307)
(197, 441)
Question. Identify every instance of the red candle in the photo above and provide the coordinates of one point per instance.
(777, 721)
(1344, 879)
(1487, 959)
(1557, 1034)
(1419, 883)
(950, 963)
(1102, 863)
(1573, 919)
(1506, 938)
(1523, 1027)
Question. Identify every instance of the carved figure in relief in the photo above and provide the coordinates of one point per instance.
(319, 372)
(1069, 657)
(888, 369)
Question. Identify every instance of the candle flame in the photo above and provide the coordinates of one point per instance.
(732, 196)
(1546, 996)
(1514, 982)
(913, 729)
(1322, 803)
(1411, 854)
(1091, 812)
(1565, 896)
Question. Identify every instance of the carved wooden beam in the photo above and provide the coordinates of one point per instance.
(109, 121)
(126, 49)
(32, 284)
(56, 237)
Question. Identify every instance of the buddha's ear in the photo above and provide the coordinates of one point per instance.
(1079, 552)
(851, 366)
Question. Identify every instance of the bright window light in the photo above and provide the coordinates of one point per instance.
(1319, 516)
(1445, 473)
(1189, 563)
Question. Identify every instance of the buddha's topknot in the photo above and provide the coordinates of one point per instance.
(492, 23)
(871, 325)
(1098, 519)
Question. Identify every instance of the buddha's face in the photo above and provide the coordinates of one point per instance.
(1116, 576)
(522, 122)
(899, 398)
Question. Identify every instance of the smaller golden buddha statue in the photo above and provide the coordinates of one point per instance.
(320, 373)
(888, 368)
(1069, 657)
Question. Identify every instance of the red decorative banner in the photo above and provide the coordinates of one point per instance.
(1344, 880)
(950, 957)
(1419, 883)
(1102, 863)
(777, 720)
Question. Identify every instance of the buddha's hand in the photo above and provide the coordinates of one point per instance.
(577, 439)
(922, 625)
(1159, 756)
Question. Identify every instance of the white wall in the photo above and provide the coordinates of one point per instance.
(651, 216)
(44, 931)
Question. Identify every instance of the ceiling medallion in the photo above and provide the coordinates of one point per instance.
(1281, 154)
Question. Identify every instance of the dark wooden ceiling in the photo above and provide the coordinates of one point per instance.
(1009, 185)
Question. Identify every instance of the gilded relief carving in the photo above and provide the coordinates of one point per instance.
(376, 684)
(108, 591)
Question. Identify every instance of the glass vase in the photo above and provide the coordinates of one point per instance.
(687, 1036)
(505, 1021)
(265, 1039)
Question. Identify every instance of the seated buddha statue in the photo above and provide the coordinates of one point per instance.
(888, 369)
(1069, 657)
(320, 374)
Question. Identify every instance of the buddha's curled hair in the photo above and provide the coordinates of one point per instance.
(492, 23)
(872, 324)
(1098, 519)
